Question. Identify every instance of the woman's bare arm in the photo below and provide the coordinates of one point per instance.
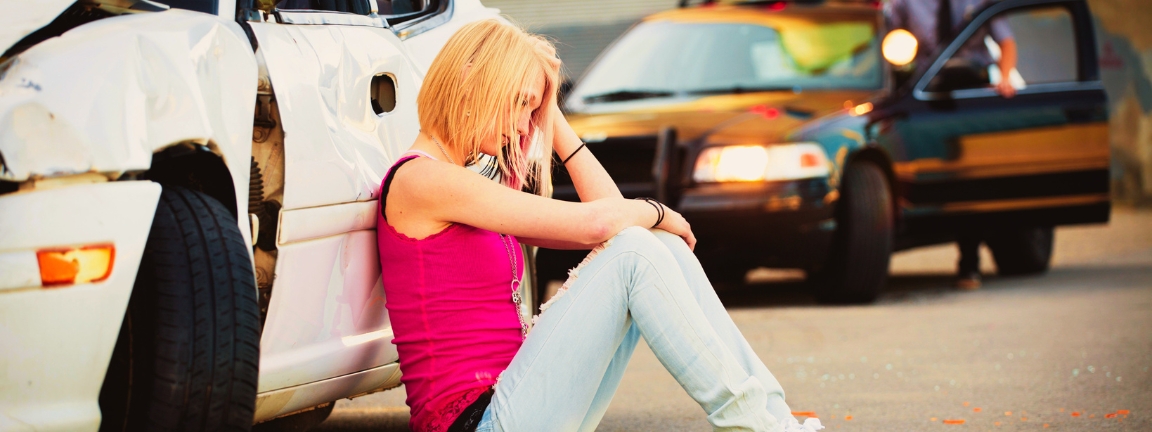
(448, 193)
(592, 182)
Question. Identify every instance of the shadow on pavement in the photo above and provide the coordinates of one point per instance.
(927, 286)
(391, 420)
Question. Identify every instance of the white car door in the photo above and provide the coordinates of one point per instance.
(346, 91)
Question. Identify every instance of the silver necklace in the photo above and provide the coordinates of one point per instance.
(446, 155)
(515, 284)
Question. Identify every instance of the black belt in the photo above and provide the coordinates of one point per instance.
(471, 416)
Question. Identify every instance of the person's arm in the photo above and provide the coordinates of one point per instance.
(896, 11)
(448, 193)
(1006, 65)
(592, 182)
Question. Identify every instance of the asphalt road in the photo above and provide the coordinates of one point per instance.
(1069, 350)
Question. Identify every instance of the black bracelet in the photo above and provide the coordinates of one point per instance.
(659, 209)
(582, 144)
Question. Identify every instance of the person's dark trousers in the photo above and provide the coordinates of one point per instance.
(969, 244)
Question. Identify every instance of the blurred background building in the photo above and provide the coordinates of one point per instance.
(581, 29)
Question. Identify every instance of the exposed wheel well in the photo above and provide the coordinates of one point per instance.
(195, 167)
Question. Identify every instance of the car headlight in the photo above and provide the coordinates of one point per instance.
(761, 163)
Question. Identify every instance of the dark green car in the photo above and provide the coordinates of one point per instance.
(788, 138)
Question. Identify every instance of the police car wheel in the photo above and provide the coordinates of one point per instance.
(857, 267)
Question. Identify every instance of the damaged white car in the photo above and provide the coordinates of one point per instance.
(188, 201)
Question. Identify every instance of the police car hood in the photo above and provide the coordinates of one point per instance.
(762, 117)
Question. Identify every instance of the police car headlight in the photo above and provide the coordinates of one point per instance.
(745, 163)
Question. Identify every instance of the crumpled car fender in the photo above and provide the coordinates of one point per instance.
(21, 18)
(105, 96)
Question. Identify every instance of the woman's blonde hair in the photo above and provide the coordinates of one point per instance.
(474, 91)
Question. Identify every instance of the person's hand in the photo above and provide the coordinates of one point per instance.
(547, 50)
(1004, 87)
(674, 223)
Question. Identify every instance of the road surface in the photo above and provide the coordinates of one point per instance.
(1066, 351)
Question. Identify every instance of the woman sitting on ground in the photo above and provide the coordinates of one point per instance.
(450, 250)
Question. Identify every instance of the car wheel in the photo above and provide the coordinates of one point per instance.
(857, 265)
(1021, 251)
(187, 355)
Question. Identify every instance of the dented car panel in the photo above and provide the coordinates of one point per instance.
(110, 102)
(336, 147)
(102, 98)
(105, 96)
(326, 316)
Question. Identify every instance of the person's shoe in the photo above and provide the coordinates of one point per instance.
(968, 281)
(811, 424)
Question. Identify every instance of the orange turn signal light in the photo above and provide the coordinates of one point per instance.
(70, 266)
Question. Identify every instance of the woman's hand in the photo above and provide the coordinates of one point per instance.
(674, 223)
(547, 50)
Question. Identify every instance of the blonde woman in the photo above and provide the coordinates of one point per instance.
(449, 247)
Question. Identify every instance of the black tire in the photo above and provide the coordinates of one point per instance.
(187, 355)
(857, 266)
(1021, 251)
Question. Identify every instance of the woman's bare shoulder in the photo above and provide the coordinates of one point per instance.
(427, 180)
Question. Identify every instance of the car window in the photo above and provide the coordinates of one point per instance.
(359, 7)
(402, 7)
(206, 6)
(1045, 40)
(665, 57)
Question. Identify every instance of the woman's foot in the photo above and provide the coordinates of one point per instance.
(968, 281)
(811, 424)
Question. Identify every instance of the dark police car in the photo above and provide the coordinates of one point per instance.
(788, 137)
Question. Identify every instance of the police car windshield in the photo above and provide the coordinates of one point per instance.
(668, 59)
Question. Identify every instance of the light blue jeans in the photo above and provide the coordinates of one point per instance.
(643, 283)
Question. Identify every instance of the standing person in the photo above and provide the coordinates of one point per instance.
(935, 23)
(449, 243)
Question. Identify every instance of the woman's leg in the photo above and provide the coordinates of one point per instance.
(714, 310)
(722, 323)
(554, 379)
(611, 380)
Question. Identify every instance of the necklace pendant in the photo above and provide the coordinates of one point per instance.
(516, 298)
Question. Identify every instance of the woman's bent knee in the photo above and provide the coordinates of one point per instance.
(635, 238)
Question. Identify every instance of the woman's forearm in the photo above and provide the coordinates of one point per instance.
(609, 216)
(592, 182)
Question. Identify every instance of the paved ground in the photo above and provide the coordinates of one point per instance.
(1067, 351)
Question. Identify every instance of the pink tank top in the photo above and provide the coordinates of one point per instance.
(449, 301)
